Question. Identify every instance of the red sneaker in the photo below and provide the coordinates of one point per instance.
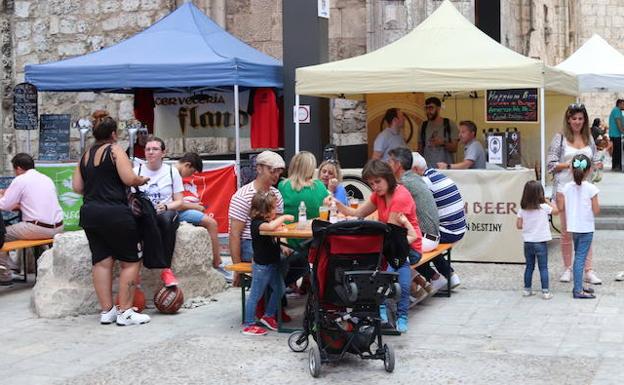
(269, 322)
(166, 275)
(254, 330)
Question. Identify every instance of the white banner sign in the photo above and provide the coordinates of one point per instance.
(492, 200)
(210, 114)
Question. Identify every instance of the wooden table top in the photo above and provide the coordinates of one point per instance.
(291, 231)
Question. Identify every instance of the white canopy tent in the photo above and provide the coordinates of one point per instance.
(445, 53)
(599, 66)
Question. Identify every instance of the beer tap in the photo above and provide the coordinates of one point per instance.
(85, 126)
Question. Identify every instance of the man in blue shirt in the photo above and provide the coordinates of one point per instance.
(616, 128)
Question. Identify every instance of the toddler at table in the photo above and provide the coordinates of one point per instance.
(266, 263)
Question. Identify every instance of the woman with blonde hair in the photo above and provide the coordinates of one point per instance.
(331, 175)
(575, 138)
(301, 187)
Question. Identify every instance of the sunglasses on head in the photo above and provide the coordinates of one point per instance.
(576, 107)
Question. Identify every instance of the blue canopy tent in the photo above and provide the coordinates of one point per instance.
(184, 50)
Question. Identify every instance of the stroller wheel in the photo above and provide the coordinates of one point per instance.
(292, 342)
(314, 361)
(397, 291)
(353, 292)
(388, 358)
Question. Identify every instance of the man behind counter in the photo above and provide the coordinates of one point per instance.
(474, 155)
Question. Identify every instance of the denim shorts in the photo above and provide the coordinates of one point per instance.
(193, 217)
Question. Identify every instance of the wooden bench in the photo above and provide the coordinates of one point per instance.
(244, 269)
(23, 245)
(444, 250)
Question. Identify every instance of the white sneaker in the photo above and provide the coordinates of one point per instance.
(547, 295)
(438, 284)
(591, 277)
(130, 317)
(455, 281)
(566, 276)
(619, 276)
(108, 317)
(527, 292)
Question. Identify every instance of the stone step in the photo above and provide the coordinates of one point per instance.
(610, 223)
(611, 211)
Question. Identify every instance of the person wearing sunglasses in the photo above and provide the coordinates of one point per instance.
(330, 174)
(616, 128)
(574, 139)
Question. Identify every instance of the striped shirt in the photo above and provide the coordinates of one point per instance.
(240, 206)
(449, 201)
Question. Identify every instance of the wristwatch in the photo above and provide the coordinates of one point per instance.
(448, 166)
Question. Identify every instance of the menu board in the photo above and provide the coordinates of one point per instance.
(25, 107)
(54, 136)
(517, 105)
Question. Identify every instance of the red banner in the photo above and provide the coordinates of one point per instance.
(212, 189)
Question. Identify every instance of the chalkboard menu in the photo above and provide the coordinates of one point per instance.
(25, 107)
(54, 137)
(517, 105)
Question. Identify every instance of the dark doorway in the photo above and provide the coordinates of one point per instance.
(487, 17)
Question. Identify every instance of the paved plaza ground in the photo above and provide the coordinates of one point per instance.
(486, 333)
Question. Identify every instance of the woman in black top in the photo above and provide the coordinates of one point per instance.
(102, 178)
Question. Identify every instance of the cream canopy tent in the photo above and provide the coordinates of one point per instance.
(599, 66)
(446, 52)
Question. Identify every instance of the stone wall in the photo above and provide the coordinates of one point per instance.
(552, 30)
(47, 30)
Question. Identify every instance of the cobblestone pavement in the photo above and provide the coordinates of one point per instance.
(486, 333)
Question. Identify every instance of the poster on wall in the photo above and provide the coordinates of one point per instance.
(323, 9)
(516, 105)
(209, 114)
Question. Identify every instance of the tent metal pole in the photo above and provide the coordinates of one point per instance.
(237, 124)
(543, 136)
(296, 117)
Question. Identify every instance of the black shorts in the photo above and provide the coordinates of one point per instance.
(120, 242)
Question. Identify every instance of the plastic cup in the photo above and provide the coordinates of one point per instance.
(354, 203)
(324, 213)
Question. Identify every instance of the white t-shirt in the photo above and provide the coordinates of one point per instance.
(578, 206)
(535, 226)
(162, 185)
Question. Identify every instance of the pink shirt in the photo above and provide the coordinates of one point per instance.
(35, 195)
(402, 202)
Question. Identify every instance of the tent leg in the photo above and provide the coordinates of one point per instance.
(543, 136)
(296, 117)
(237, 129)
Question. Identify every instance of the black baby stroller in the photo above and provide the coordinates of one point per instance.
(348, 285)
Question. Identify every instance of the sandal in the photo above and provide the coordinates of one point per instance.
(583, 295)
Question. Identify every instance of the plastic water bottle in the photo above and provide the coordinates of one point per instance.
(303, 219)
(333, 212)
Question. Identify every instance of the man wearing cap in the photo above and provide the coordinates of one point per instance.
(35, 195)
(392, 136)
(269, 167)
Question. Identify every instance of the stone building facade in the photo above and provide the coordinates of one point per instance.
(37, 31)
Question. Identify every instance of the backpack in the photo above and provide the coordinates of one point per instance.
(423, 131)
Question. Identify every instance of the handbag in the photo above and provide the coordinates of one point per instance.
(396, 248)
